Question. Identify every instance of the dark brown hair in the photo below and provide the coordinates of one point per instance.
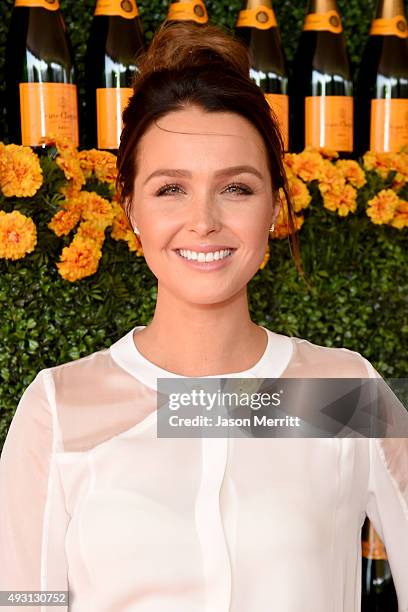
(202, 65)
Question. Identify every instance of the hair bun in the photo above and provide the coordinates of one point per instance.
(177, 45)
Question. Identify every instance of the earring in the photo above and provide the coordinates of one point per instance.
(136, 231)
(272, 228)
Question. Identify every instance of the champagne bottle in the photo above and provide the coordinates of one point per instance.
(256, 26)
(378, 591)
(321, 87)
(187, 10)
(40, 75)
(382, 88)
(115, 40)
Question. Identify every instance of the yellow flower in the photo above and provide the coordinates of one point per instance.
(400, 219)
(100, 163)
(300, 194)
(87, 230)
(18, 235)
(384, 163)
(20, 171)
(352, 172)
(332, 180)
(383, 206)
(79, 259)
(343, 202)
(68, 161)
(324, 152)
(96, 209)
(64, 220)
(306, 165)
(282, 229)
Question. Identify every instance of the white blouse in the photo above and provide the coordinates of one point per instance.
(94, 502)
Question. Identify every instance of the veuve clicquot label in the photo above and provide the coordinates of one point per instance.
(48, 109)
(194, 10)
(51, 5)
(119, 8)
(389, 116)
(382, 91)
(110, 104)
(40, 75)
(328, 114)
(256, 25)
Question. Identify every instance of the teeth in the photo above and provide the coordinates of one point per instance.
(214, 256)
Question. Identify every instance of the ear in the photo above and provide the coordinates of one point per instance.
(276, 206)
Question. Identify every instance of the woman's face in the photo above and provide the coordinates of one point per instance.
(187, 195)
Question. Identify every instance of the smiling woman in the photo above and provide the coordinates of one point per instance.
(92, 500)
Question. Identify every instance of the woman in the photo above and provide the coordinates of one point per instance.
(92, 500)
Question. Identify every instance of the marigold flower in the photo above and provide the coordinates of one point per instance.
(18, 235)
(101, 164)
(64, 221)
(352, 172)
(89, 231)
(382, 207)
(344, 202)
(299, 192)
(307, 165)
(20, 171)
(332, 180)
(79, 259)
(96, 209)
(400, 219)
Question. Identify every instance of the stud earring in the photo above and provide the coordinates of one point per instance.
(272, 228)
(136, 231)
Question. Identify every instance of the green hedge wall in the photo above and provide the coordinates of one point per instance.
(78, 15)
(358, 271)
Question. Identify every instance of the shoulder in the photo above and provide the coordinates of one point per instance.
(328, 361)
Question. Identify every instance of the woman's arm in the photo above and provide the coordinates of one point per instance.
(387, 501)
(33, 518)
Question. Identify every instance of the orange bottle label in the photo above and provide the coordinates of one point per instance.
(261, 17)
(279, 103)
(180, 11)
(48, 109)
(330, 21)
(110, 104)
(397, 26)
(389, 125)
(329, 122)
(51, 5)
(117, 8)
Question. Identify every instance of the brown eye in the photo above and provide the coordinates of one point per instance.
(242, 188)
(165, 189)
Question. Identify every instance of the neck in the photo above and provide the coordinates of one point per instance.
(387, 9)
(251, 4)
(321, 6)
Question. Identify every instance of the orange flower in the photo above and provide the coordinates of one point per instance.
(96, 209)
(384, 163)
(300, 194)
(89, 231)
(352, 172)
(79, 259)
(68, 161)
(332, 180)
(324, 152)
(102, 164)
(64, 220)
(18, 235)
(306, 165)
(382, 207)
(344, 202)
(20, 171)
(282, 229)
(400, 219)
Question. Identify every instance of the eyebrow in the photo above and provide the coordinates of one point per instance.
(176, 172)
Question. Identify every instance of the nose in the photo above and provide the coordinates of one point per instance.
(203, 216)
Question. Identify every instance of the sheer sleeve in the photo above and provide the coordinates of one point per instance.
(387, 503)
(33, 517)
